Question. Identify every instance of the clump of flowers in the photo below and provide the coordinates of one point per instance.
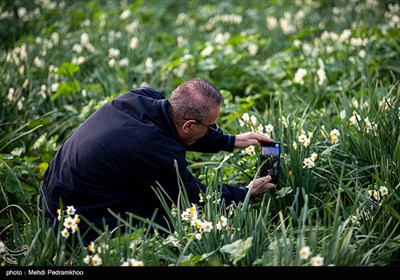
(70, 221)
(305, 139)
(95, 251)
(201, 226)
(305, 254)
(95, 259)
(197, 225)
(132, 262)
(310, 161)
(378, 195)
(299, 76)
(356, 120)
(334, 135)
(251, 122)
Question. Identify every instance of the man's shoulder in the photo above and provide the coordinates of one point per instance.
(149, 92)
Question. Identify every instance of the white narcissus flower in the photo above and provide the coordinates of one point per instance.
(317, 261)
(305, 253)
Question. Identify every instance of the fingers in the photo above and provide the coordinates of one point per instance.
(267, 182)
(255, 142)
(267, 178)
(247, 139)
(258, 138)
(261, 185)
(264, 138)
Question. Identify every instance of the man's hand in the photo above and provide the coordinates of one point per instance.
(247, 139)
(261, 185)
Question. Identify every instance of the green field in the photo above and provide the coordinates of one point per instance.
(321, 77)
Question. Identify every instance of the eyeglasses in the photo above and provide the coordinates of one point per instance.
(212, 128)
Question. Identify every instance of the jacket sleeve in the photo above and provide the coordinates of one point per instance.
(233, 193)
(214, 143)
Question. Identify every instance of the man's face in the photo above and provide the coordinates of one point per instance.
(194, 130)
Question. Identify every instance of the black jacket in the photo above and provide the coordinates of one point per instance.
(116, 155)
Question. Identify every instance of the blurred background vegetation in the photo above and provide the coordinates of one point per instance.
(322, 77)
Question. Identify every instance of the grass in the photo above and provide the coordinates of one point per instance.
(323, 74)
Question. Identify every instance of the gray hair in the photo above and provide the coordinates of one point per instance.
(193, 99)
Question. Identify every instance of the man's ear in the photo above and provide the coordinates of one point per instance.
(187, 126)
